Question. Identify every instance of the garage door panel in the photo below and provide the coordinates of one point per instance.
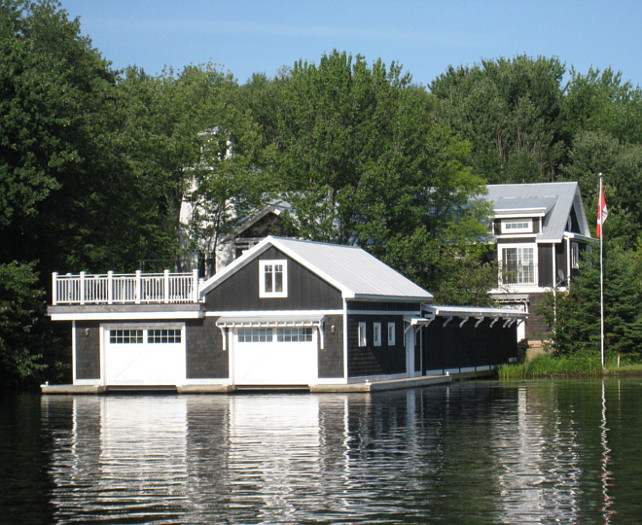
(275, 363)
(134, 359)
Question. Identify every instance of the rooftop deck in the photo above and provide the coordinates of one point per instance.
(132, 288)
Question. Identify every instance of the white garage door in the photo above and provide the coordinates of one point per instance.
(144, 356)
(275, 356)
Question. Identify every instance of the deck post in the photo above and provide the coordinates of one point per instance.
(82, 288)
(166, 286)
(54, 288)
(110, 287)
(137, 291)
(195, 285)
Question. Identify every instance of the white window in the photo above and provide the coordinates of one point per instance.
(273, 278)
(518, 265)
(391, 334)
(376, 334)
(575, 255)
(255, 335)
(125, 337)
(517, 226)
(172, 335)
(363, 340)
(293, 335)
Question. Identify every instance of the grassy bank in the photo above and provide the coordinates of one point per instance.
(576, 365)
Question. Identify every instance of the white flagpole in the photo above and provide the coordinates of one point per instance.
(601, 219)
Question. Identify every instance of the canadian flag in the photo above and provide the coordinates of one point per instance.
(602, 211)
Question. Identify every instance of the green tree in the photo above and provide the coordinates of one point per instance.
(575, 317)
(510, 109)
(21, 305)
(362, 160)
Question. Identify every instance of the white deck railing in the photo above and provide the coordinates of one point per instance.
(130, 288)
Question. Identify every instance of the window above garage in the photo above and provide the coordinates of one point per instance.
(521, 225)
(273, 278)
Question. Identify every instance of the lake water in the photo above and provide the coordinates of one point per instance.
(475, 452)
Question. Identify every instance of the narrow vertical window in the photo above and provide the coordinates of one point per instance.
(363, 341)
(575, 255)
(273, 278)
(376, 334)
(391, 334)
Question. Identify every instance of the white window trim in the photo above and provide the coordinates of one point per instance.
(376, 334)
(391, 334)
(575, 255)
(361, 334)
(524, 229)
(270, 262)
(500, 259)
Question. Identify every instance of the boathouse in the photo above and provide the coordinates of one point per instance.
(287, 313)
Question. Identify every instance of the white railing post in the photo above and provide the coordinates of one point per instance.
(166, 286)
(82, 288)
(54, 288)
(137, 290)
(195, 285)
(110, 287)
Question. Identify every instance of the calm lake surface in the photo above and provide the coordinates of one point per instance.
(476, 452)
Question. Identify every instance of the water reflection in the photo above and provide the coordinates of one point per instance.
(468, 453)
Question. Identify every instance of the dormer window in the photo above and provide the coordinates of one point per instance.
(273, 278)
(517, 225)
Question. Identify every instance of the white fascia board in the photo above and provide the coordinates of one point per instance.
(125, 316)
(519, 213)
(473, 311)
(272, 313)
(234, 266)
(579, 236)
(391, 298)
(345, 292)
(262, 246)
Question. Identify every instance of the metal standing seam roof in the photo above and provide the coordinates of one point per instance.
(349, 268)
(552, 199)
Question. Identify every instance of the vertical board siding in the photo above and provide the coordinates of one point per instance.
(545, 265)
(87, 350)
(536, 327)
(454, 347)
(306, 291)
(206, 358)
(372, 360)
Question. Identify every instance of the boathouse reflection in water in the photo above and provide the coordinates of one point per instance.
(498, 455)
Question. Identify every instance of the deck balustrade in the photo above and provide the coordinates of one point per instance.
(132, 288)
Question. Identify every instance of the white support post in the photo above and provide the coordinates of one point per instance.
(166, 286)
(223, 335)
(54, 288)
(463, 322)
(137, 292)
(110, 287)
(195, 285)
(82, 288)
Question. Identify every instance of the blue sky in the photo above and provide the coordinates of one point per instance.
(425, 37)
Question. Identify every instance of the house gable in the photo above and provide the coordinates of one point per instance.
(240, 291)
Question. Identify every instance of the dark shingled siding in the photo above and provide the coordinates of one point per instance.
(331, 357)
(206, 358)
(87, 350)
